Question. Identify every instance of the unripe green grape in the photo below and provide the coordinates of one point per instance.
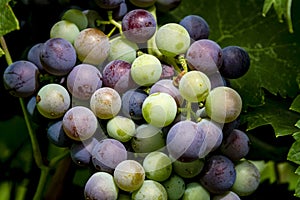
(150, 190)
(64, 29)
(121, 128)
(159, 109)
(188, 169)
(223, 104)
(194, 86)
(77, 17)
(175, 187)
(52, 101)
(195, 190)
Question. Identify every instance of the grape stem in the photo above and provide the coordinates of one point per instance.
(110, 21)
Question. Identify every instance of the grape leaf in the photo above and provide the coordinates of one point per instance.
(8, 20)
(272, 49)
(296, 104)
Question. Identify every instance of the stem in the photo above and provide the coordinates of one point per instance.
(114, 22)
(42, 182)
(289, 18)
(5, 49)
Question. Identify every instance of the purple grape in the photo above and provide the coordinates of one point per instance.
(236, 62)
(120, 11)
(83, 81)
(184, 141)
(204, 55)
(58, 56)
(132, 102)
(116, 75)
(138, 25)
(108, 4)
(167, 5)
(107, 154)
(21, 78)
(218, 174)
(196, 26)
(57, 135)
(236, 145)
(168, 72)
(33, 55)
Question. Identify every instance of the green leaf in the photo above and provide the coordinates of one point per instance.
(294, 152)
(273, 50)
(8, 20)
(296, 104)
(275, 113)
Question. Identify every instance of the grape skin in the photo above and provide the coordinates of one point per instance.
(196, 26)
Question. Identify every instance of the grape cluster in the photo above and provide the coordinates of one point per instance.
(149, 108)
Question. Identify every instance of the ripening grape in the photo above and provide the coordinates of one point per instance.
(151, 190)
(52, 101)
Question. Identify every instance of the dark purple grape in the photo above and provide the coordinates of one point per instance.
(138, 25)
(108, 4)
(33, 55)
(107, 154)
(58, 56)
(81, 152)
(228, 127)
(57, 135)
(204, 55)
(116, 75)
(236, 62)
(167, 5)
(21, 78)
(236, 145)
(132, 102)
(83, 81)
(196, 26)
(120, 11)
(218, 174)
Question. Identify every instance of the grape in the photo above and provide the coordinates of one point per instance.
(107, 154)
(129, 175)
(77, 17)
(228, 127)
(158, 166)
(58, 56)
(159, 109)
(213, 135)
(146, 70)
(105, 103)
(184, 141)
(101, 186)
(247, 178)
(196, 26)
(236, 62)
(92, 46)
(121, 128)
(111, 4)
(80, 123)
(52, 101)
(64, 29)
(175, 187)
(216, 80)
(226, 196)
(138, 25)
(167, 86)
(21, 78)
(194, 190)
(172, 39)
(168, 72)
(147, 139)
(122, 49)
(83, 81)
(188, 169)
(223, 104)
(132, 101)
(116, 74)
(142, 3)
(120, 11)
(218, 174)
(204, 55)
(80, 152)
(194, 86)
(236, 145)
(57, 135)
(166, 5)
(124, 196)
(150, 190)
(33, 55)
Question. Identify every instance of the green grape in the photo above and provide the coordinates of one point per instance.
(159, 109)
(195, 191)
(121, 128)
(188, 169)
(129, 175)
(194, 86)
(122, 49)
(146, 70)
(150, 190)
(52, 101)
(172, 39)
(77, 17)
(64, 29)
(158, 166)
(175, 187)
(223, 104)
